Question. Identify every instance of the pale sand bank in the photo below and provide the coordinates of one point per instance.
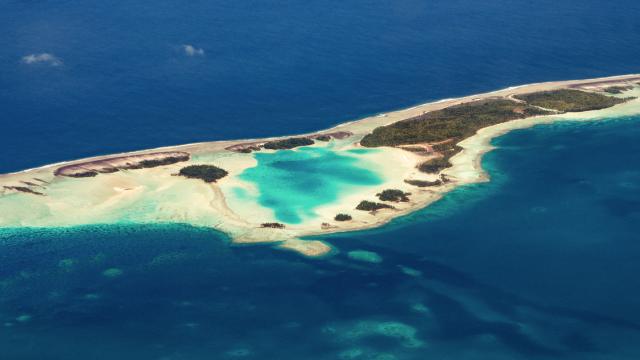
(157, 195)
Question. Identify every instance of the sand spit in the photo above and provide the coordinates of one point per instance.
(153, 194)
(114, 164)
(259, 145)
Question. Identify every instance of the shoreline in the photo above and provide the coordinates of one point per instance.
(543, 86)
(211, 204)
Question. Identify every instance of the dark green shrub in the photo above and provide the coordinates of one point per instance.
(289, 143)
(423, 183)
(570, 100)
(342, 217)
(372, 206)
(207, 173)
(394, 195)
(273, 225)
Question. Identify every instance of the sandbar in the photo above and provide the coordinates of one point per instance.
(145, 186)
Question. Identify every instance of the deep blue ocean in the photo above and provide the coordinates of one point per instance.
(539, 263)
(274, 67)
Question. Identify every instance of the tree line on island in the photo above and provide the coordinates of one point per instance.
(618, 89)
(393, 195)
(114, 164)
(425, 183)
(448, 126)
(294, 142)
(441, 130)
(568, 100)
(289, 143)
(387, 195)
(206, 173)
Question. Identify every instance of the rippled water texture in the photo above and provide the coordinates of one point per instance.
(272, 68)
(294, 182)
(540, 263)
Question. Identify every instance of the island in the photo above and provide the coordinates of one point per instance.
(206, 173)
(291, 190)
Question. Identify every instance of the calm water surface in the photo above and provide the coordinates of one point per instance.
(295, 182)
(540, 263)
(275, 67)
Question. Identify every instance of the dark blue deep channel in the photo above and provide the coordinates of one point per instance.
(124, 81)
(539, 263)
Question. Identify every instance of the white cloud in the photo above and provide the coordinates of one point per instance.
(43, 58)
(191, 50)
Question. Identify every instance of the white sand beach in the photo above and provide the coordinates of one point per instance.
(151, 195)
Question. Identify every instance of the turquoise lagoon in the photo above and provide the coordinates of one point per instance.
(541, 263)
(293, 183)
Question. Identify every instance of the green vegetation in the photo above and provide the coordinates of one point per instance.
(249, 149)
(423, 183)
(415, 149)
(289, 143)
(110, 170)
(342, 217)
(163, 161)
(150, 163)
(568, 100)
(447, 148)
(434, 166)
(618, 89)
(453, 123)
(450, 125)
(273, 225)
(461, 121)
(81, 174)
(323, 138)
(208, 173)
(394, 195)
(372, 206)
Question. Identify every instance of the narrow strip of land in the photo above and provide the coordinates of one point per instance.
(425, 151)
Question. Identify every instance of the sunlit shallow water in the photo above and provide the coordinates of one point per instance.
(274, 68)
(293, 183)
(540, 263)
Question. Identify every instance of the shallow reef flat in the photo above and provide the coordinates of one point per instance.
(279, 190)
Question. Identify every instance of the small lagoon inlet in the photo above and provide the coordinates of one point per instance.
(293, 183)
